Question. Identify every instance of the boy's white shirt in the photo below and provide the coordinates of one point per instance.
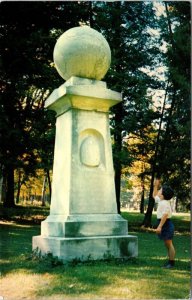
(164, 207)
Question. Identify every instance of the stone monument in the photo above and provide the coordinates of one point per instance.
(83, 222)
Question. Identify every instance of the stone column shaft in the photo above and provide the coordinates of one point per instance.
(83, 199)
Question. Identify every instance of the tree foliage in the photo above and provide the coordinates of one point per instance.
(172, 161)
(126, 27)
(28, 33)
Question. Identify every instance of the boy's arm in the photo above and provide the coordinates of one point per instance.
(163, 220)
(156, 186)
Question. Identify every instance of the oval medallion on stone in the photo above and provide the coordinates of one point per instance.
(89, 152)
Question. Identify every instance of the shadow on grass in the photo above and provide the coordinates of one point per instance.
(16, 239)
(24, 214)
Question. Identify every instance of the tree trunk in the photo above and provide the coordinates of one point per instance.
(148, 215)
(43, 191)
(9, 199)
(91, 23)
(117, 150)
(166, 141)
(49, 183)
(118, 188)
(116, 22)
(18, 188)
(3, 187)
(142, 202)
(169, 26)
(147, 219)
(143, 189)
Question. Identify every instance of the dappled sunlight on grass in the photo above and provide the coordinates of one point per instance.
(103, 283)
(21, 285)
(116, 282)
(14, 224)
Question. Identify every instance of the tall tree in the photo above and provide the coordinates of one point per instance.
(174, 143)
(126, 27)
(28, 32)
(178, 125)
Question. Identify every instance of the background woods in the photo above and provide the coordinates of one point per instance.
(150, 46)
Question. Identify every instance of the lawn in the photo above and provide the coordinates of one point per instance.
(25, 276)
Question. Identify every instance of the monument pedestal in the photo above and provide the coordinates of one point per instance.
(84, 225)
(87, 248)
(83, 221)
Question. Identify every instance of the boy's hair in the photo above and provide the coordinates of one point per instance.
(167, 192)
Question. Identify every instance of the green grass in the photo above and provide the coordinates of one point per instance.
(24, 276)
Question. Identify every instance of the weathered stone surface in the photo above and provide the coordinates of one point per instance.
(83, 52)
(83, 94)
(83, 156)
(94, 248)
(84, 225)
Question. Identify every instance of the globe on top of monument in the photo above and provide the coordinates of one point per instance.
(82, 52)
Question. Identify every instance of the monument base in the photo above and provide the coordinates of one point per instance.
(86, 225)
(87, 248)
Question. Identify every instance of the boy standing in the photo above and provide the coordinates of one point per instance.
(165, 229)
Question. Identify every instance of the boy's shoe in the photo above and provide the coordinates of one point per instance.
(169, 266)
(165, 264)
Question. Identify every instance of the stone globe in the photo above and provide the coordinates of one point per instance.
(82, 52)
